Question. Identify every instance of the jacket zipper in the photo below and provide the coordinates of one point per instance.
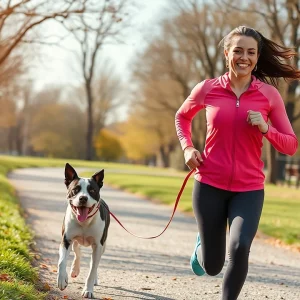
(237, 105)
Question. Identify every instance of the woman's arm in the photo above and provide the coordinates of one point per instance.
(280, 133)
(186, 113)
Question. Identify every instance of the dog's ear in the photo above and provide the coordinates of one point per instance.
(70, 174)
(98, 177)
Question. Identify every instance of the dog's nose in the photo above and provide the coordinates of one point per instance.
(83, 200)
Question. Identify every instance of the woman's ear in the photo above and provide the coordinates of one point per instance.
(226, 54)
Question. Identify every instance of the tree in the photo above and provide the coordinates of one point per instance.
(139, 143)
(18, 18)
(53, 131)
(107, 90)
(92, 32)
(108, 146)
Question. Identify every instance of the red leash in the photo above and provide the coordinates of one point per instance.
(175, 206)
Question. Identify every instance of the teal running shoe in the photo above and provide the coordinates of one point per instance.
(196, 268)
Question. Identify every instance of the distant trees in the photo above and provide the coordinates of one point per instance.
(185, 51)
(108, 146)
(92, 31)
(92, 24)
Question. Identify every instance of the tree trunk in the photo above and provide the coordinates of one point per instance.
(165, 156)
(290, 110)
(90, 123)
(10, 140)
(271, 164)
(19, 139)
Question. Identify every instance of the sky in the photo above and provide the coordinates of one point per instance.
(55, 65)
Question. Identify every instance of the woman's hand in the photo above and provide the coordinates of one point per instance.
(256, 118)
(192, 157)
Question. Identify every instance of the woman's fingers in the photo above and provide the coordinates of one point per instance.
(193, 160)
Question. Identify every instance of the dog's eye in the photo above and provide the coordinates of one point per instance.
(76, 190)
(92, 191)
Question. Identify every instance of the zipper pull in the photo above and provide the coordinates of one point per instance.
(237, 102)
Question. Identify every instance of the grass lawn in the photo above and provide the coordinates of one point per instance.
(17, 277)
(280, 217)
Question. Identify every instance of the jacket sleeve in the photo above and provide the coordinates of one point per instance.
(185, 114)
(280, 133)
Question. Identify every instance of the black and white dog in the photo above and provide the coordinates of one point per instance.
(83, 225)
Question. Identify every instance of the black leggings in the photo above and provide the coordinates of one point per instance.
(212, 207)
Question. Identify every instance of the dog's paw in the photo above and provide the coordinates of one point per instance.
(62, 280)
(87, 294)
(74, 270)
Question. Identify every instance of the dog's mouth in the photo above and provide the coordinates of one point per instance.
(82, 212)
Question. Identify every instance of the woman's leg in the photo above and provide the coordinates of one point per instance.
(210, 209)
(244, 212)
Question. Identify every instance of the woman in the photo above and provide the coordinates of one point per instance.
(242, 106)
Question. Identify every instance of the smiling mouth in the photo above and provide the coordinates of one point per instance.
(243, 66)
(82, 212)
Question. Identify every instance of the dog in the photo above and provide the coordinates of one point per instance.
(85, 223)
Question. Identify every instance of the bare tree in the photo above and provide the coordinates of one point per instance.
(92, 31)
(109, 95)
(18, 18)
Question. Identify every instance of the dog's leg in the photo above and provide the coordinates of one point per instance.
(62, 276)
(102, 251)
(92, 277)
(75, 268)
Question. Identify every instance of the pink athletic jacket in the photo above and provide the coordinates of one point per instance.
(232, 153)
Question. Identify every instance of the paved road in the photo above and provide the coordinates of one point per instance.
(132, 268)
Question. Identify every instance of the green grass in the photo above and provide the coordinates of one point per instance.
(8, 163)
(281, 214)
(17, 276)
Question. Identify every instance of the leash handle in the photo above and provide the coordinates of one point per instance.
(175, 206)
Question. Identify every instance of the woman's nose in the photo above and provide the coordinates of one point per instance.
(244, 56)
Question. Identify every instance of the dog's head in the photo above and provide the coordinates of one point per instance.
(83, 193)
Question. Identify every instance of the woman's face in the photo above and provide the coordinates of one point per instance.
(242, 55)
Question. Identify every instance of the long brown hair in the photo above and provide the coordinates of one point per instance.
(273, 58)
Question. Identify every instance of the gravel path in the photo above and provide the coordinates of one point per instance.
(132, 268)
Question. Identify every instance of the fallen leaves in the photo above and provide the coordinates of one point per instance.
(37, 256)
(46, 287)
(43, 266)
(5, 277)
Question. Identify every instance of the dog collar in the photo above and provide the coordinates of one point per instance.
(97, 208)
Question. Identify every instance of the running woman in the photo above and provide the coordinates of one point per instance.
(242, 106)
